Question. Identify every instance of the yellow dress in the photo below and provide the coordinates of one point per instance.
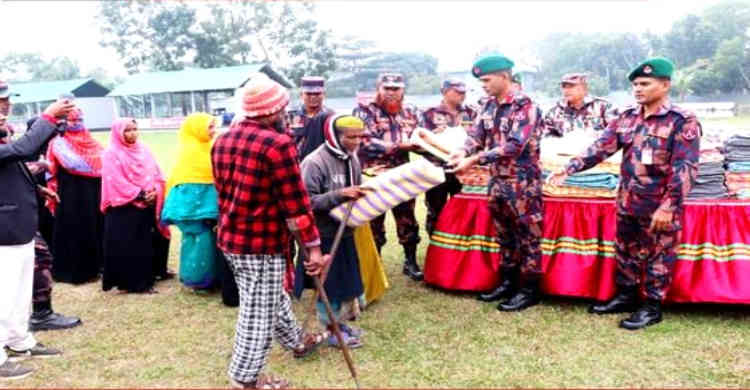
(370, 268)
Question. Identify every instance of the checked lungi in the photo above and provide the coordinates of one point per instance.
(265, 313)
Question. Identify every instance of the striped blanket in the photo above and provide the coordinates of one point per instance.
(390, 189)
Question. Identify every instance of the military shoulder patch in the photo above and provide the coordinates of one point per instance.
(690, 132)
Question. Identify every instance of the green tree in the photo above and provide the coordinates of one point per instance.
(689, 39)
(731, 65)
(729, 18)
(148, 35)
(35, 67)
(606, 56)
(160, 35)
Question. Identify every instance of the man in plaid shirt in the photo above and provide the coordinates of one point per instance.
(262, 202)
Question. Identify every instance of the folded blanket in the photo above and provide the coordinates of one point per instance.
(738, 156)
(593, 180)
(738, 141)
(735, 177)
(739, 166)
(720, 195)
(711, 168)
(711, 155)
(390, 189)
(558, 163)
(709, 179)
(577, 192)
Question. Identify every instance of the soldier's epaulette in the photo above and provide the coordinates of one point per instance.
(683, 112)
(521, 99)
(429, 110)
(599, 99)
(362, 111)
(410, 108)
(629, 108)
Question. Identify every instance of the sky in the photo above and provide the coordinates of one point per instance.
(452, 31)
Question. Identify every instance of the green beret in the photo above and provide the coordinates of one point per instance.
(491, 63)
(658, 67)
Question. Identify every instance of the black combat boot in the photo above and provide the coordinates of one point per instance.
(44, 318)
(648, 314)
(625, 301)
(526, 297)
(411, 268)
(508, 286)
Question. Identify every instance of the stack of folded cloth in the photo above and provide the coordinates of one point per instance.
(738, 184)
(737, 148)
(737, 154)
(598, 182)
(709, 183)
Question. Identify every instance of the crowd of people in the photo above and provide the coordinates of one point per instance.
(247, 200)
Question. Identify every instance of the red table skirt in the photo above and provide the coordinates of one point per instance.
(713, 263)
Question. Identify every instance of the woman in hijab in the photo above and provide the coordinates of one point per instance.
(135, 243)
(192, 205)
(75, 165)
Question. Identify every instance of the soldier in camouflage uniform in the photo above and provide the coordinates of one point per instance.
(450, 113)
(306, 121)
(388, 125)
(578, 110)
(660, 144)
(507, 136)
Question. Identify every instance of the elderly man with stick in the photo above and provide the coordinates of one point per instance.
(332, 176)
(262, 203)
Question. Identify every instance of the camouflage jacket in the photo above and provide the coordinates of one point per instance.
(439, 116)
(507, 135)
(383, 133)
(596, 114)
(296, 120)
(659, 161)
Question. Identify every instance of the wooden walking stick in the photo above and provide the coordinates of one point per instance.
(324, 298)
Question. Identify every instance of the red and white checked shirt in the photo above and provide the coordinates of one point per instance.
(260, 187)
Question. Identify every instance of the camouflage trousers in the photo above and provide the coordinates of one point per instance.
(407, 228)
(42, 295)
(516, 208)
(643, 256)
(436, 198)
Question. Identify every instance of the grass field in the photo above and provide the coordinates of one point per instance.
(415, 337)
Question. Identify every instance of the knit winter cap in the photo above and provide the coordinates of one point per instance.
(262, 96)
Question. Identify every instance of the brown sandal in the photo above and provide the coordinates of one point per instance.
(264, 381)
(271, 382)
(310, 341)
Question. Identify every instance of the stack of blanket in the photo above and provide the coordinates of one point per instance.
(598, 182)
(737, 157)
(709, 184)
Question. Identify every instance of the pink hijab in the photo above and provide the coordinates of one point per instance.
(129, 169)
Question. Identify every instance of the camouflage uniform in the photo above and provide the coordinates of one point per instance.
(659, 165)
(437, 118)
(43, 258)
(297, 119)
(510, 130)
(42, 293)
(383, 133)
(596, 114)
